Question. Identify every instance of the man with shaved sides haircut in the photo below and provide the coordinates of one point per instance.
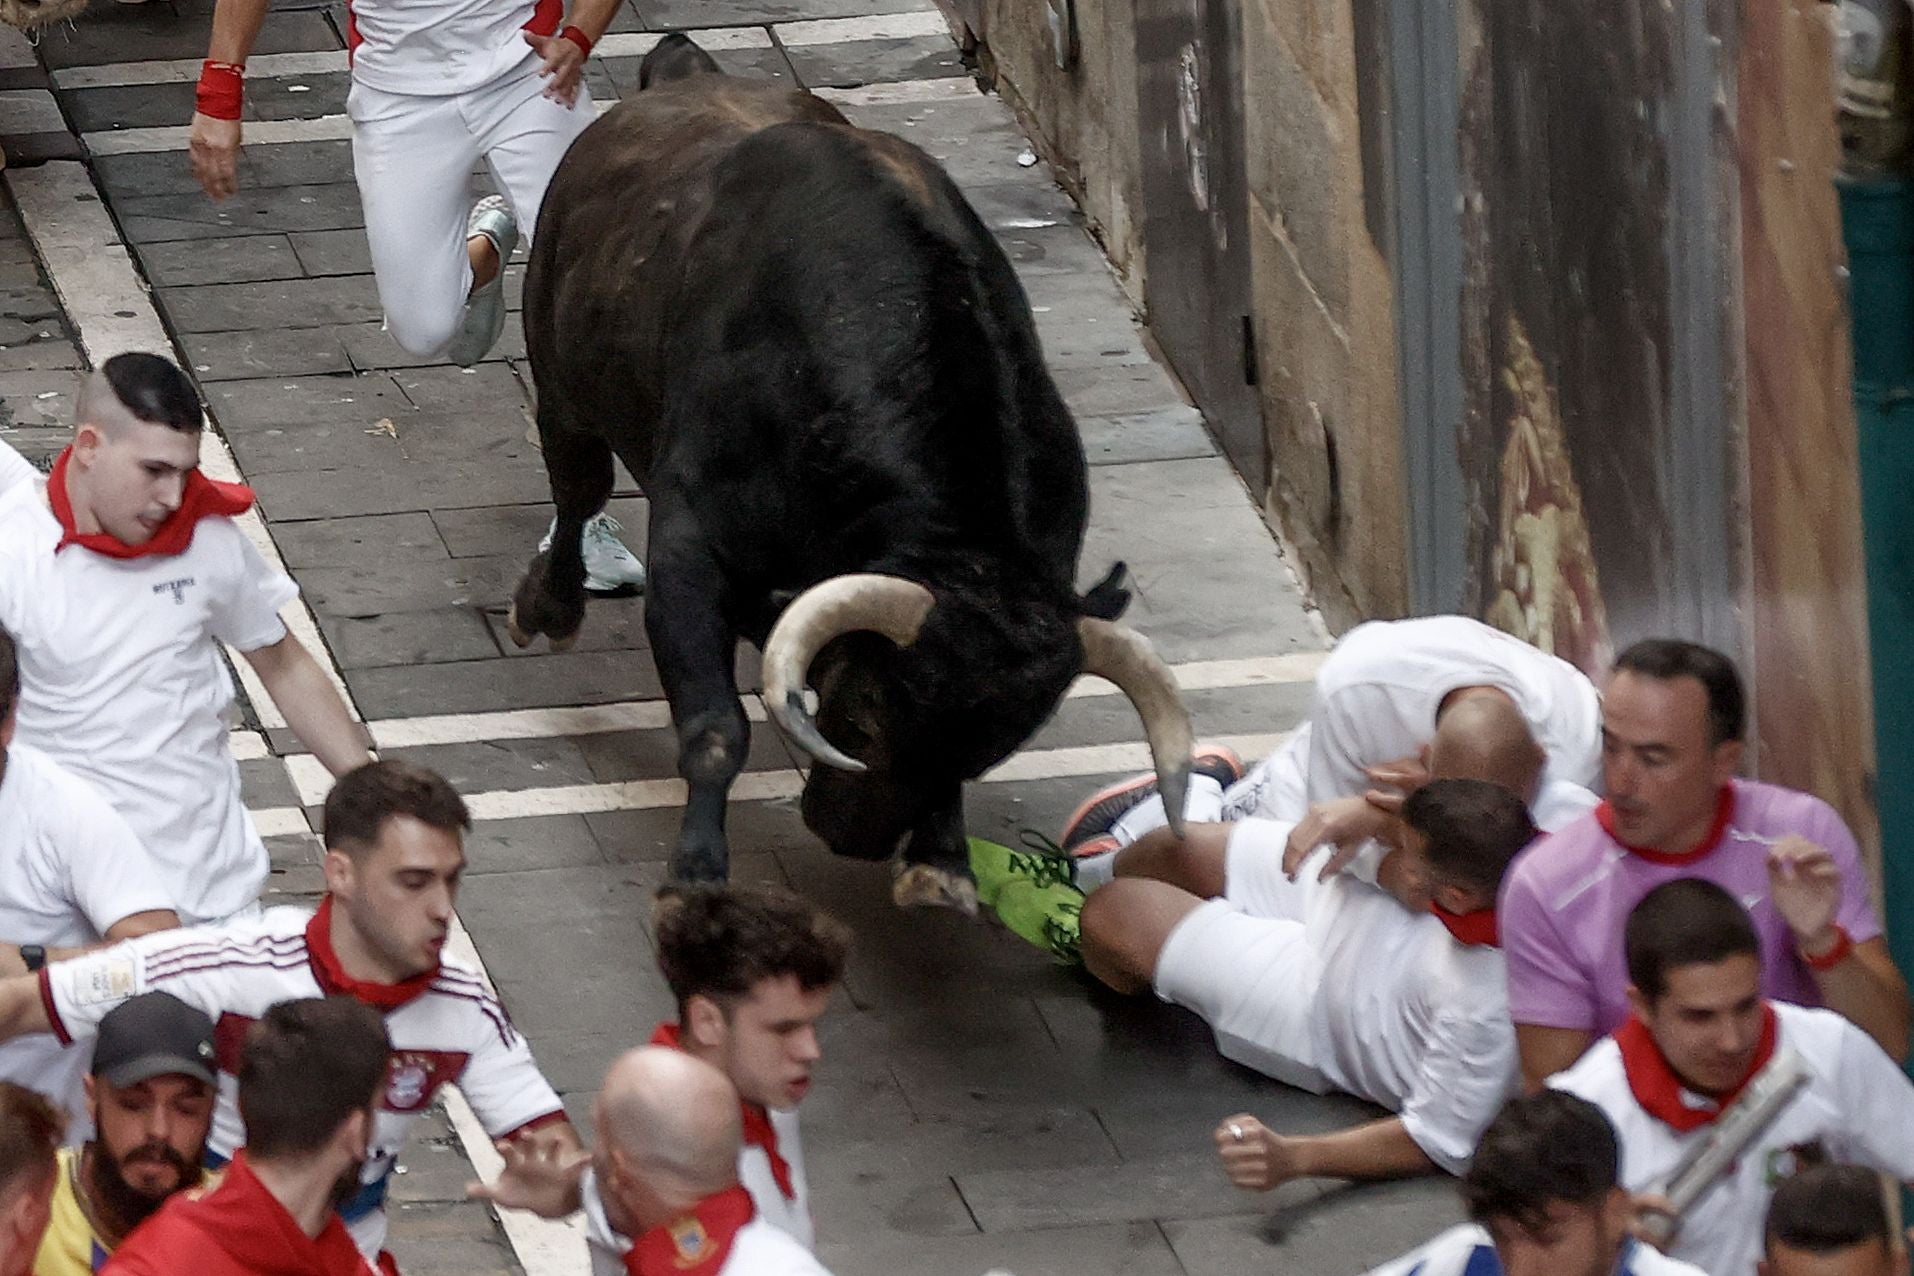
(120, 576)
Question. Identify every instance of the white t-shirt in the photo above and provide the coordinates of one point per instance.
(1404, 1015)
(14, 469)
(123, 684)
(1559, 803)
(70, 868)
(454, 1032)
(436, 48)
(1857, 1106)
(791, 1215)
(1378, 692)
(1466, 1250)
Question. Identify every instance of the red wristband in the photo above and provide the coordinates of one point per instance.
(221, 89)
(1843, 945)
(578, 38)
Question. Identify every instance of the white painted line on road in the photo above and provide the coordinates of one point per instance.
(655, 715)
(765, 786)
(112, 312)
(882, 26)
(115, 75)
(310, 779)
(247, 746)
(278, 821)
(906, 93)
(629, 44)
(172, 137)
(544, 1247)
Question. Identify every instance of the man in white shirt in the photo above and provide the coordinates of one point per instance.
(1545, 1199)
(1393, 993)
(666, 1165)
(1699, 1033)
(1831, 1220)
(752, 970)
(119, 578)
(393, 861)
(1390, 696)
(74, 877)
(14, 469)
(438, 86)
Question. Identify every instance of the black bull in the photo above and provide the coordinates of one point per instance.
(823, 372)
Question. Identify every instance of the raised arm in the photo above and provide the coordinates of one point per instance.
(1858, 980)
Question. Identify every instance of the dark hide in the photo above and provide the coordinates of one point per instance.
(816, 360)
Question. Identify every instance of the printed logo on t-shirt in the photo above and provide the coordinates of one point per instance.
(105, 981)
(1785, 1163)
(414, 1076)
(177, 588)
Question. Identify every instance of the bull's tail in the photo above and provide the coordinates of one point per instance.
(676, 57)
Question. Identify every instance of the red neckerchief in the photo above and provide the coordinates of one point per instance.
(1657, 1088)
(758, 1130)
(1724, 814)
(333, 978)
(1477, 929)
(697, 1243)
(250, 1226)
(202, 498)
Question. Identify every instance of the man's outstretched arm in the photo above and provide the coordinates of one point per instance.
(311, 703)
(1256, 1158)
(214, 141)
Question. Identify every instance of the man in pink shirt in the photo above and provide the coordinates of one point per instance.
(1672, 721)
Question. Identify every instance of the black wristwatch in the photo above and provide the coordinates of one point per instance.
(34, 955)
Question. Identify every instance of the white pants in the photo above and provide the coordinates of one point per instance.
(413, 156)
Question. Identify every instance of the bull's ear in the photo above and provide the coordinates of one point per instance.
(1107, 599)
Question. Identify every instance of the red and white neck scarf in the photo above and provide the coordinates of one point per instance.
(202, 498)
(1661, 1093)
(758, 1130)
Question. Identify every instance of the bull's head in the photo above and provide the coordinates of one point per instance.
(923, 691)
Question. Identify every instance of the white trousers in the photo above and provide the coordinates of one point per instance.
(413, 156)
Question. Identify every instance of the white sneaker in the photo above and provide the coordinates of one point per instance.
(610, 568)
(485, 309)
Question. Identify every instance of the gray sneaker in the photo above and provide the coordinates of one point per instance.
(485, 309)
(610, 568)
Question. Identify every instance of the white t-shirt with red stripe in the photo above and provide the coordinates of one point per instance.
(451, 1031)
(436, 48)
(70, 868)
(1856, 1107)
(122, 683)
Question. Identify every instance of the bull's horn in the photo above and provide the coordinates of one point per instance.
(1125, 657)
(889, 605)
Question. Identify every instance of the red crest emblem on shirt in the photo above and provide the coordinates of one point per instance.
(414, 1076)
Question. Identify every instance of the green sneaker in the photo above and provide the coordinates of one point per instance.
(1032, 893)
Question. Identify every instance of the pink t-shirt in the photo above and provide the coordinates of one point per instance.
(1567, 898)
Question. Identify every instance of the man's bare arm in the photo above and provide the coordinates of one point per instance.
(1546, 1051)
(213, 144)
(543, 1169)
(21, 1010)
(145, 923)
(1261, 1159)
(1867, 989)
(311, 704)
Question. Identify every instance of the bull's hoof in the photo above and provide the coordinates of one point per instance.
(923, 886)
(520, 638)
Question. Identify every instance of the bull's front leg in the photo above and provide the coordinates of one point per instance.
(934, 869)
(550, 598)
(695, 648)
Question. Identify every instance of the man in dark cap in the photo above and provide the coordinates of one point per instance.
(151, 1094)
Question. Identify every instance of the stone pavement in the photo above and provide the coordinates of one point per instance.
(978, 1107)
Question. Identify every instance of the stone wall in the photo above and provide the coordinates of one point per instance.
(1325, 310)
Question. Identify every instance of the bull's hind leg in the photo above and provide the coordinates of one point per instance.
(695, 647)
(550, 598)
(934, 870)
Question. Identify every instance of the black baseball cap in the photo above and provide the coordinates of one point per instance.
(154, 1035)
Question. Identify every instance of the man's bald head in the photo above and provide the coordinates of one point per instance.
(1481, 735)
(674, 1122)
(131, 388)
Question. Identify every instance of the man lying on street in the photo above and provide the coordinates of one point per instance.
(394, 856)
(1393, 992)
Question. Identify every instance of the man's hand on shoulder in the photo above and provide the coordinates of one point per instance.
(1344, 823)
(213, 146)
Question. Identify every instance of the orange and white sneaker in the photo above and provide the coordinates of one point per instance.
(1093, 820)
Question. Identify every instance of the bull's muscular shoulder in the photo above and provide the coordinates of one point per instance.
(703, 113)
